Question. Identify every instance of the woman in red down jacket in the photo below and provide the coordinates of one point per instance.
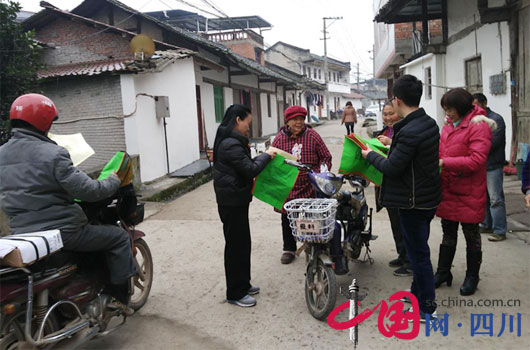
(464, 146)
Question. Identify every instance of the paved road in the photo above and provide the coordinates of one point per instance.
(187, 309)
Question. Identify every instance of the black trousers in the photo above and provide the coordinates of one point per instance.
(236, 230)
(471, 234)
(289, 243)
(395, 223)
(349, 128)
(112, 240)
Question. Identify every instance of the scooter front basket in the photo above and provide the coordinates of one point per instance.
(312, 220)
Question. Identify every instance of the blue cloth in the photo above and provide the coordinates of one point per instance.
(495, 207)
(416, 226)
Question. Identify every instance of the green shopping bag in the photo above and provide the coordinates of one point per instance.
(353, 163)
(120, 164)
(275, 182)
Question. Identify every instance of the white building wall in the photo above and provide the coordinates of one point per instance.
(269, 123)
(208, 110)
(356, 102)
(417, 68)
(495, 60)
(145, 132)
(449, 71)
(207, 99)
(229, 97)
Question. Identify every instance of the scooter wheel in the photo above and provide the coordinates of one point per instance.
(320, 290)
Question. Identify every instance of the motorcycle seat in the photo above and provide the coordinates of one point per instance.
(49, 265)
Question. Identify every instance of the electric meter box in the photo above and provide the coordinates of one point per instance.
(162, 106)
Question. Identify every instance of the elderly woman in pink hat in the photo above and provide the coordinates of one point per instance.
(300, 140)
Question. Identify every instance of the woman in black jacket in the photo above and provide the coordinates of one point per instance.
(234, 172)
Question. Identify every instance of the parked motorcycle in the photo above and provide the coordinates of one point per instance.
(59, 302)
(334, 228)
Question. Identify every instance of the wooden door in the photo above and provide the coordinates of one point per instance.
(200, 123)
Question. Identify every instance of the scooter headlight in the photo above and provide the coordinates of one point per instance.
(328, 183)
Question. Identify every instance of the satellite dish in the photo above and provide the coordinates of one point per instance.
(142, 47)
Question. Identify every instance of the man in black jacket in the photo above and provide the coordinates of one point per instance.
(411, 182)
(495, 220)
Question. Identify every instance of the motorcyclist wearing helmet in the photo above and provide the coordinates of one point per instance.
(38, 185)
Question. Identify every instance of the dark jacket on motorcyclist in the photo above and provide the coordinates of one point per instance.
(39, 185)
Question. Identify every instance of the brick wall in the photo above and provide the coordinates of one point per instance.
(246, 49)
(78, 42)
(403, 31)
(89, 97)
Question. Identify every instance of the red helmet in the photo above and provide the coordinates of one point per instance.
(35, 109)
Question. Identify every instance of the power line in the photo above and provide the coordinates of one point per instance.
(223, 15)
(196, 7)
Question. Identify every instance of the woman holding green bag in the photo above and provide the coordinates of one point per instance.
(234, 172)
(300, 140)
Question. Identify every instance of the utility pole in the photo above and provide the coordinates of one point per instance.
(357, 75)
(373, 65)
(326, 80)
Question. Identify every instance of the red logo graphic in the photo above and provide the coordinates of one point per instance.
(392, 321)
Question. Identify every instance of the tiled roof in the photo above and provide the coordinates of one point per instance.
(46, 15)
(353, 94)
(252, 66)
(85, 68)
(158, 62)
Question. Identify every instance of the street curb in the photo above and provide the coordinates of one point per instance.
(181, 188)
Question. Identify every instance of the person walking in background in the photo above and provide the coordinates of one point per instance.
(234, 172)
(349, 116)
(411, 182)
(495, 220)
(464, 147)
(390, 117)
(525, 186)
(300, 140)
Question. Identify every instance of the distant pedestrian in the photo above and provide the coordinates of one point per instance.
(234, 172)
(525, 186)
(411, 182)
(349, 117)
(495, 220)
(464, 147)
(390, 117)
(300, 140)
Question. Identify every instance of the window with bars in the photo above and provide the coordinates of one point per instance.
(474, 75)
(219, 102)
(428, 82)
(269, 110)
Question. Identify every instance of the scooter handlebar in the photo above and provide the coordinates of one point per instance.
(297, 165)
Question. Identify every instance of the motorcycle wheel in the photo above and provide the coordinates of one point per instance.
(142, 288)
(12, 333)
(320, 290)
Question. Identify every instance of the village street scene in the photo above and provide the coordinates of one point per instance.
(200, 175)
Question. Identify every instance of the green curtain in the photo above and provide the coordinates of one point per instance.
(275, 182)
